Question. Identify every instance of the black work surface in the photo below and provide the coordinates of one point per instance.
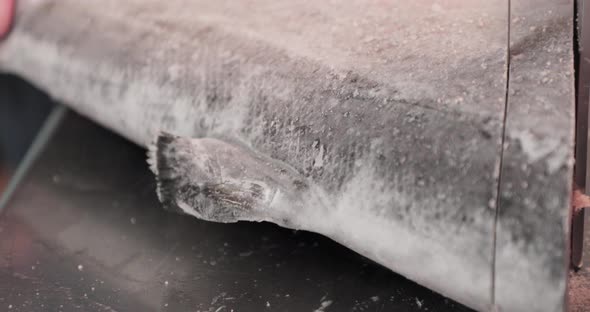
(85, 232)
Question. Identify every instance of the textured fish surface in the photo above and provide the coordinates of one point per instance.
(434, 137)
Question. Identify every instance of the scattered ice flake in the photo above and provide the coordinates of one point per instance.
(419, 303)
(246, 253)
(324, 304)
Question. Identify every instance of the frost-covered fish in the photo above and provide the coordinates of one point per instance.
(379, 125)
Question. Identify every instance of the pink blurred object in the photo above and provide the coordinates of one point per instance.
(6, 16)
